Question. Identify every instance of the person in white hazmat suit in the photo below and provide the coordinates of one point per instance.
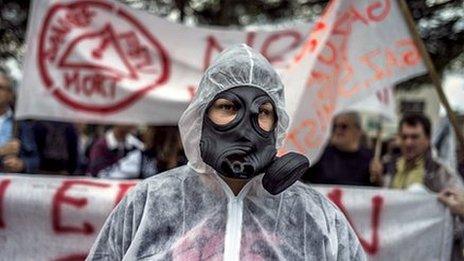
(235, 199)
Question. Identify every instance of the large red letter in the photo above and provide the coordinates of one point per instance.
(60, 198)
(72, 257)
(295, 39)
(3, 185)
(377, 202)
(384, 10)
(250, 38)
(123, 189)
(211, 43)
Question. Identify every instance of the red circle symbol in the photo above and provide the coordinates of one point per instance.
(96, 57)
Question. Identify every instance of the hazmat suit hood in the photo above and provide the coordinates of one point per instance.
(237, 66)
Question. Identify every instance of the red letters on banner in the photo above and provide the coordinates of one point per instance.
(377, 11)
(336, 78)
(61, 197)
(371, 247)
(80, 16)
(211, 45)
(290, 37)
(250, 38)
(73, 75)
(123, 189)
(94, 84)
(72, 257)
(3, 186)
(310, 140)
(383, 63)
(374, 12)
(336, 72)
(192, 91)
(295, 39)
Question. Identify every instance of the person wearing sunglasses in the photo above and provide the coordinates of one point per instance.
(345, 160)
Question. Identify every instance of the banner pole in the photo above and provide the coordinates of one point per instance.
(378, 142)
(432, 72)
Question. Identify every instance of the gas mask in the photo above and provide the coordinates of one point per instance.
(238, 139)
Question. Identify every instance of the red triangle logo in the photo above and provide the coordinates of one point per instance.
(100, 51)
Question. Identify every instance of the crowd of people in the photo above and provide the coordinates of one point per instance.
(52, 147)
(407, 164)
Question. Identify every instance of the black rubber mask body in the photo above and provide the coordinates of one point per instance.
(240, 148)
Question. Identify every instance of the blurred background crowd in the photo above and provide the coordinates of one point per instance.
(406, 160)
(52, 147)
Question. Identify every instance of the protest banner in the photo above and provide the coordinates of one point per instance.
(357, 48)
(104, 62)
(58, 218)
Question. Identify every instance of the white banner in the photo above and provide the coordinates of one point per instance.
(381, 103)
(56, 218)
(101, 61)
(357, 47)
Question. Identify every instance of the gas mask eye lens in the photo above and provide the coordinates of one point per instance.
(266, 116)
(222, 111)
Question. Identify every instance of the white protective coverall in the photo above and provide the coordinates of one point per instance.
(190, 213)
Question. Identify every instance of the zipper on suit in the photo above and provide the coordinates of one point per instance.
(233, 234)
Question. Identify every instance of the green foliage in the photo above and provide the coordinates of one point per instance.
(440, 22)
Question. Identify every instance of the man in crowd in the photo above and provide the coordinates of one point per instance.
(415, 169)
(223, 205)
(57, 145)
(345, 160)
(108, 150)
(18, 151)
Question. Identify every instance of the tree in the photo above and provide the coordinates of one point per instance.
(13, 23)
(440, 22)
